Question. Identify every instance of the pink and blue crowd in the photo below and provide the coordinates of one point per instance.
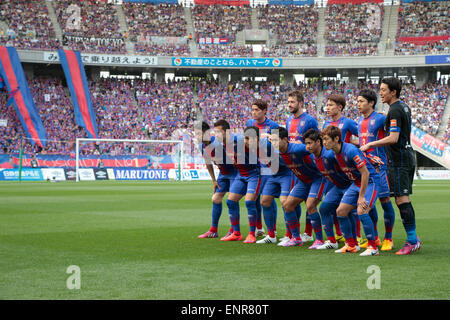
(144, 109)
(422, 20)
(291, 25)
(224, 50)
(217, 21)
(90, 19)
(29, 25)
(353, 29)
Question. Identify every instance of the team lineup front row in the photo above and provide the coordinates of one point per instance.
(300, 163)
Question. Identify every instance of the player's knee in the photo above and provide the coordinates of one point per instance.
(341, 212)
(217, 198)
(289, 206)
(311, 207)
(266, 201)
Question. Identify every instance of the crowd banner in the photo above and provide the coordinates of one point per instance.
(224, 2)
(431, 144)
(207, 40)
(26, 175)
(434, 174)
(53, 174)
(15, 82)
(227, 62)
(100, 59)
(86, 174)
(291, 2)
(79, 90)
(99, 41)
(423, 40)
(438, 59)
(139, 174)
(153, 1)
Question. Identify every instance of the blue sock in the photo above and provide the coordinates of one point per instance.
(389, 219)
(374, 216)
(353, 217)
(252, 213)
(346, 228)
(326, 209)
(317, 225)
(268, 218)
(275, 213)
(233, 211)
(293, 224)
(367, 223)
(258, 213)
(298, 212)
(409, 221)
(216, 213)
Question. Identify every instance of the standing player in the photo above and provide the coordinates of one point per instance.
(265, 125)
(244, 151)
(361, 195)
(210, 145)
(297, 125)
(336, 186)
(335, 105)
(401, 160)
(371, 128)
(309, 186)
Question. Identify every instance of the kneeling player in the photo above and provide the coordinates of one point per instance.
(247, 182)
(361, 195)
(336, 186)
(214, 151)
(309, 185)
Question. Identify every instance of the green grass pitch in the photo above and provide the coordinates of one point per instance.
(137, 240)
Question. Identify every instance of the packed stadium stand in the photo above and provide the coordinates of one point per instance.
(423, 28)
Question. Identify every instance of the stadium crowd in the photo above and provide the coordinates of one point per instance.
(217, 21)
(145, 20)
(291, 24)
(29, 25)
(224, 50)
(304, 50)
(95, 19)
(133, 109)
(353, 29)
(162, 49)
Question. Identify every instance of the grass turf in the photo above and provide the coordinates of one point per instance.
(137, 240)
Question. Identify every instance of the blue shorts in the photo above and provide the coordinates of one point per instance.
(334, 194)
(301, 189)
(243, 185)
(317, 189)
(225, 181)
(278, 185)
(383, 188)
(352, 194)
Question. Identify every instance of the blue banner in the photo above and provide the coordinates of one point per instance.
(141, 174)
(228, 62)
(291, 2)
(153, 1)
(27, 175)
(19, 94)
(79, 90)
(437, 59)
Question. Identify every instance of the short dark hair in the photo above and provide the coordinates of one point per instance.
(297, 94)
(205, 126)
(339, 99)
(332, 132)
(255, 128)
(314, 135)
(282, 132)
(222, 123)
(369, 95)
(393, 84)
(261, 104)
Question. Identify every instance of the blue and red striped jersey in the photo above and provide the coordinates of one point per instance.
(350, 159)
(299, 160)
(329, 168)
(372, 129)
(348, 127)
(297, 127)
